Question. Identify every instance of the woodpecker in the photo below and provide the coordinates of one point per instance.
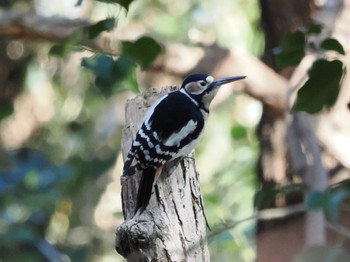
(171, 129)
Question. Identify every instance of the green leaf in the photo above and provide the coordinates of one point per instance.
(5, 110)
(265, 197)
(315, 28)
(103, 25)
(316, 200)
(238, 132)
(65, 47)
(111, 74)
(291, 50)
(100, 65)
(322, 88)
(292, 188)
(129, 82)
(334, 45)
(123, 3)
(144, 50)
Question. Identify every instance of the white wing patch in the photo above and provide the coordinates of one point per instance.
(176, 138)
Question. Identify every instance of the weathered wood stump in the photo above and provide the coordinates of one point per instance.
(173, 227)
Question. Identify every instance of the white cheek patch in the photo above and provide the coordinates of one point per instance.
(193, 88)
(209, 79)
(176, 138)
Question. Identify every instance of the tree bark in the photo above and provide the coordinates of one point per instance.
(173, 227)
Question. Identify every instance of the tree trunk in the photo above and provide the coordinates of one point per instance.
(173, 227)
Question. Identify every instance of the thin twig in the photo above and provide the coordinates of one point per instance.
(266, 214)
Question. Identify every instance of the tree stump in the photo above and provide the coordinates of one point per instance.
(173, 227)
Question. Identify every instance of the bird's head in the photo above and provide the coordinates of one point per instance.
(203, 88)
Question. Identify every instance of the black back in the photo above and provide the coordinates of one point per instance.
(173, 113)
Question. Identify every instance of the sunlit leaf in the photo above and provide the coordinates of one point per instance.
(103, 25)
(129, 82)
(322, 88)
(144, 50)
(238, 132)
(291, 50)
(67, 46)
(211, 199)
(333, 44)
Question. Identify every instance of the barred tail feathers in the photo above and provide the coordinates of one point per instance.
(145, 189)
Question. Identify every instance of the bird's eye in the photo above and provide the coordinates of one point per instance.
(203, 83)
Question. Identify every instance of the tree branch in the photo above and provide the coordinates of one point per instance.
(55, 29)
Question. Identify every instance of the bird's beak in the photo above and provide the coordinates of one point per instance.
(222, 81)
(213, 88)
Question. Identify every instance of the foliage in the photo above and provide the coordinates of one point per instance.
(104, 25)
(320, 91)
(110, 73)
(28, 189)
(324, 78)
(325, 74)
(113, 74)
(330, 202)
(291, 51)
(67, 46)
(6, 110)
(135, 50)
(265, 197)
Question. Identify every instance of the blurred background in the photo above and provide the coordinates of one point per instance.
(67, 68)
(60, 135)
